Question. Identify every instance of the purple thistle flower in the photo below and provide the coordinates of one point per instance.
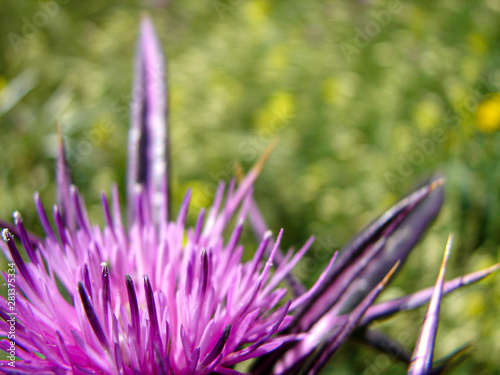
(157, 297)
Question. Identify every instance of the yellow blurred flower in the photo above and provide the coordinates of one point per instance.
(477, 43)
(3, 83)
(256, 11)
(277, 113)
(488, 114)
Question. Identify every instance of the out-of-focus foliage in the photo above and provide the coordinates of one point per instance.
(367, 99)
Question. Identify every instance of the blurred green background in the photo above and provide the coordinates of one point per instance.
(367, 99)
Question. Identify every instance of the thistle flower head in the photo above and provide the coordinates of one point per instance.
(154, 296)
